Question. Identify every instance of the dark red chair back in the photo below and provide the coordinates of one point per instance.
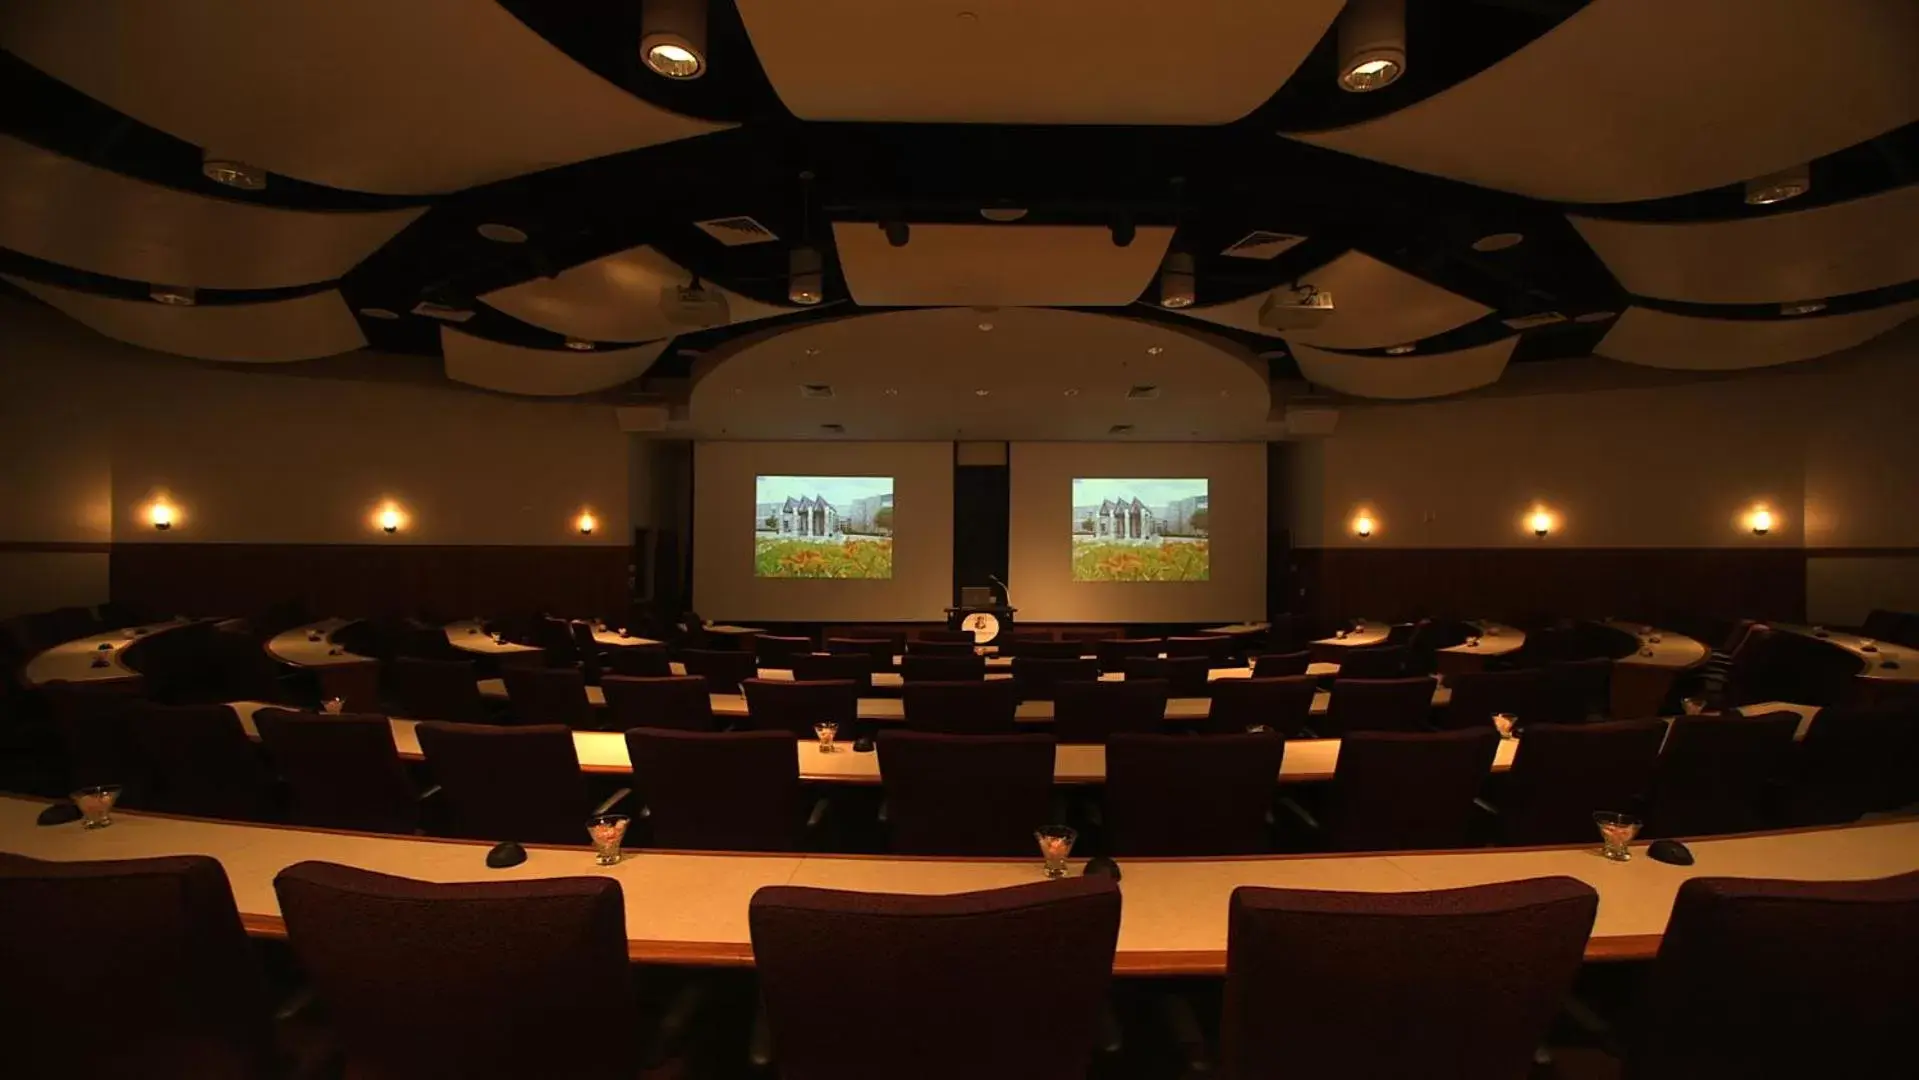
(496, 979)
(1177, 795)
(1712, 775)
(1397, 791)
(855, 666)
(966, 794)
(204, 763)
(96, 722)
(1114, 652)
(539, 695)
(1036, 678)
(1578, 691)
(942, 637)
(1215, 647)
(357, 685)
(1459, 984)
(508, 783)
(1562, 773)
(1044, 649)
(341, 771)
(1373, 662)
(1281, 665)
(639, 661)
(136, 967)
(778, 650)
(986, 707)
(1285, 705)
(436, 690)
(1006, 983)
(1089, 712)
(919, 667)
(1186, 676)
(1477, 695)
(794, 707)
(719, 791)
(879, 651)
(1852, 760)
(680, 702)
(724, 669)
(1770, 980)
(1378, 705)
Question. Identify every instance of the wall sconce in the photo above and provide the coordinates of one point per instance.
(1363, 527)
(1541, 522)
(586, 522)
(161, 515)
(1761, 521)
(390, 521)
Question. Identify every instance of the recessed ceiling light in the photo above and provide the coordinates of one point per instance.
(985, 326)
(234, 174)
(981, 392)
(805, 285)
(1594, 316)
(379, 313)
(1176, 286)
(1225, 393)
(1071, 391)
(1273, 354)
(738, 390)
(1400, 350)
(967, 16)
(1155, 350)
(1498, 241)
(1778, 187)
(1002, 214)
(174, 295)
(812, 351)
(1372, 44)
(579, 344)
(673, 38)
(500, 233)
(892, 392)
(1802, 307)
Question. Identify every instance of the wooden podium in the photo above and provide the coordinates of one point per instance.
(987, 622)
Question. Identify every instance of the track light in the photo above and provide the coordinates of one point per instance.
(673, 38)
(1123, 232)
(897, 232)
(803, 278)
(1372, 44)
(1176, 287)
(234, 174)
(1780, 186)
(174, 295)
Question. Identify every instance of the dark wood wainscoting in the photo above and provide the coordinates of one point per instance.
(1399, 583)
(369, 579)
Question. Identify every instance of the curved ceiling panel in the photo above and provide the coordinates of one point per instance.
(68, 212)
(1374, 305)
(415, 97)
(1642, 99)
(1066, 265)
(271, 332)
(615, 298)
(1403, 377)
(514, 369)
(1687, 342)
(1018, 62)
(919, 375)
(1847, 247)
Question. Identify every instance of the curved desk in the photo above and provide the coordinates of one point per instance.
(1642, 679)
(609, 638)
(311, 646)
(1306, 760)
(690, 908)
(1872, 655)
(1369, 634)
(894, 709)
(95, 658)
(1494, 640)
(468, 635)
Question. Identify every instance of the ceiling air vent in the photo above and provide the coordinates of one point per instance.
(1120, 429)
(1142, 392)
(737, 231)
(1260, 244)
(1527, 322)
(833, 429)
(816, 390)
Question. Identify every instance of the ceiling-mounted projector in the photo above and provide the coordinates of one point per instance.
(1295, 309)
(693, 305)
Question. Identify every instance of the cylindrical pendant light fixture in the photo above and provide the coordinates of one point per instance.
(1372, 44)
(673, 38)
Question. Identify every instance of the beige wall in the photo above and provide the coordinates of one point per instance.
(1830, 447)
(94, 430)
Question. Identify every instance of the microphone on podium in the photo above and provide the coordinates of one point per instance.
(1005, 596)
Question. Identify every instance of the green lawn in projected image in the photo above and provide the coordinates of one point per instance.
(823, 527)
(1141, 529)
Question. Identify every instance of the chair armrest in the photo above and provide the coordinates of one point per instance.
(612, 801)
